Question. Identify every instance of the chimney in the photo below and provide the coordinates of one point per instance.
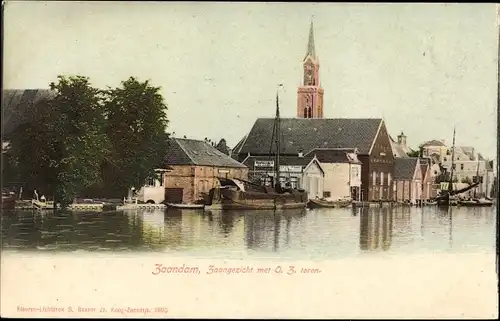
(402, 139)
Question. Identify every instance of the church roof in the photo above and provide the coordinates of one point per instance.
(182, 151)
(306, 134)
(311, 50)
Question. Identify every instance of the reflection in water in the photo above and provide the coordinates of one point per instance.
(376, 228)
(263, 226)
(321, 233)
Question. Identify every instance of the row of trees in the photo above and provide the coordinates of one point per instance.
(86, 141)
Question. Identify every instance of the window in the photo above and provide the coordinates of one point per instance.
(462, 166)
(381, 178)
(161, 179)
(444, 159)
(389, 179)
(374, 177)
(326, 194)
(150, 182)
(354, 172)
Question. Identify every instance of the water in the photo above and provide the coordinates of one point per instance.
(299, 234)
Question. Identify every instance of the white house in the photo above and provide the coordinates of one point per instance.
(313, 179)
(342, 170)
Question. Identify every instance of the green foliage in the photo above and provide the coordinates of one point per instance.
(466, 180)
(61, 148)
(416, 153)
(136, 124)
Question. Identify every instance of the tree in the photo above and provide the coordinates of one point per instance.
(467, 180)
(136, 128)
(222, 147)
(417, 153)
(61, 147)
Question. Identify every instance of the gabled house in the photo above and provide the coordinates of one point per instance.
(302, 135)
(195, 168)
(304, 172)
(408, 179)
(429, 189)
(342, 172)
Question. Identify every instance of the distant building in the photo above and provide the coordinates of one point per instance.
(17, 107)
(408, 179)
(429, 187)
(399, 148)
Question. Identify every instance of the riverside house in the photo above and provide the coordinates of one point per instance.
(408, 180)
(195, 168)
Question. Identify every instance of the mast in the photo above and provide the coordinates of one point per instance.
(477, 176)
(450, 185)
(277, 137)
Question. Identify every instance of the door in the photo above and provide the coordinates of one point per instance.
(313, 187)
(174, 195)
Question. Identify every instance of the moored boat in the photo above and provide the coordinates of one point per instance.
(240, 194)
(233, 194)
(8, 201)
(320, 203)
(476, 202)
(186, 206)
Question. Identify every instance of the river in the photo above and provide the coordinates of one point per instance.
(299, 234)
(367, 263)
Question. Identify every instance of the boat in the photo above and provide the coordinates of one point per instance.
(244, 195)
(476, 202)
(8, 201)
(449, 197)
(186, 206)
(322, 203)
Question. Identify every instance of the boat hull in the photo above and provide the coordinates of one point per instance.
(229, 199)
(186, 206)
(327, 204)
(475, 204)
(8, 203)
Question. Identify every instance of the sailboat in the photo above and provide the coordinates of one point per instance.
(447, 197)
(244, 195)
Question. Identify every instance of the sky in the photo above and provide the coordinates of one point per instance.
(423, 68)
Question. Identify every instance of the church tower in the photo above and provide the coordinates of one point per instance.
(310, 94)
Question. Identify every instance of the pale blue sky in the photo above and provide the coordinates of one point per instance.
(422, 67)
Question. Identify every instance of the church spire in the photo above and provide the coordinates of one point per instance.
(310, 45)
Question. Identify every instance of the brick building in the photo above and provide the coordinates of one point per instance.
(195, 168)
